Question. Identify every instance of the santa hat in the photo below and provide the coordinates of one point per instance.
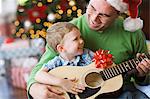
(132, 23)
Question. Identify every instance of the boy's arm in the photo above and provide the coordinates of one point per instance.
(44, 77)
(48, 55)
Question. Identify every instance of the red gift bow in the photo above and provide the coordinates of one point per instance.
(9, 40)
(102, 59)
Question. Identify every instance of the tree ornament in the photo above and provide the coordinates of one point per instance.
(51, 17)
(27, 24)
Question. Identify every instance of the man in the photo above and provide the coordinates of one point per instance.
(100, 28)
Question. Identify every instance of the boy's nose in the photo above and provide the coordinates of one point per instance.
(81, 41)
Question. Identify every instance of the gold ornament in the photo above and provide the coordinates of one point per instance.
(16, 23)
(18, 34)
(21, 30)
(79, 11)
(38, 20)
(49, 1)
(31, 31)
(74, 8)
(69, 11)
(39, 4)
(60, 11)
(24, 36)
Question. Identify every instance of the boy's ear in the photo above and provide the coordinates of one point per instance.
(60, 48)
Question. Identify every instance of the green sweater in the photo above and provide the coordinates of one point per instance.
(123, 44)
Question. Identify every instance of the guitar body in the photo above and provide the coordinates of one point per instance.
(91, 78)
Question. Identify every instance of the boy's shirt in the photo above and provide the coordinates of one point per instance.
(80, 60)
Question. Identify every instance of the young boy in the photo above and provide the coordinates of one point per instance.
(65, 38)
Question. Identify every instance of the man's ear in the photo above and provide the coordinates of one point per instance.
(60, 48)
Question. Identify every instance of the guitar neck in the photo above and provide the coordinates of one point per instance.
(122, 68)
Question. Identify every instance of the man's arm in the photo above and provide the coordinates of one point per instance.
(48, 55)
(141, 48)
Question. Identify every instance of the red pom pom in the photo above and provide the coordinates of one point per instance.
(102, 58)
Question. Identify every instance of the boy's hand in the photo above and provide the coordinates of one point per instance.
(70, 85)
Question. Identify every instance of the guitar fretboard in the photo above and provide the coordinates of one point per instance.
(122, 68)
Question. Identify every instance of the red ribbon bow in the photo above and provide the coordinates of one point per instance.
(102, 58)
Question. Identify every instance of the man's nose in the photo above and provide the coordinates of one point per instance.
(95, 17)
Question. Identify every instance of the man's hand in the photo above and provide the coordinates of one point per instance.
(42, 91)
(143, 67)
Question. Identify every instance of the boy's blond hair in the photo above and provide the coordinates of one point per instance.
(56, 33)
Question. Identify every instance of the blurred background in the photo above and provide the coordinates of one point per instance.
(23, 25)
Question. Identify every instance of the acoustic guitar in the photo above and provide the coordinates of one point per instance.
(96, 81)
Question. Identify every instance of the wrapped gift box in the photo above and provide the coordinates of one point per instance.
(22, 48)
(14, 45)
(20, 70)
(20, 56)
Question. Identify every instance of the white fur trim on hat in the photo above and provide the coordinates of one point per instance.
(118, 5)
(133, 24)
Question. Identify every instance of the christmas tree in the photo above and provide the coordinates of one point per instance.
(35, 16)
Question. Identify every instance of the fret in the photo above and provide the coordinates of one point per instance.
(109, 75)
(102, 75)
(121, 68)
(107, 72)
(137, 61)
(115, 67)
(132, 66)
(146, 56)
(111, 72)
(134, 62)
(129, 65)
(125, 64)
(140, 59)
(105, 75)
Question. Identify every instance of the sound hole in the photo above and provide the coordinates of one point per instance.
(93, 80)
